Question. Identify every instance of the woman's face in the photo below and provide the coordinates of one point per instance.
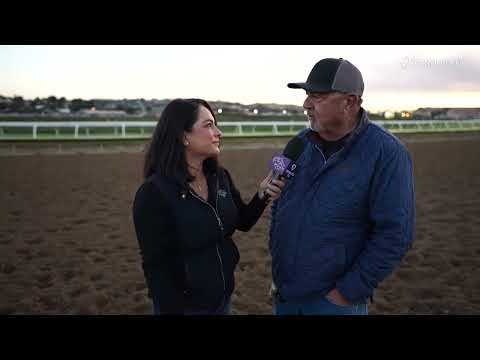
(204, 139)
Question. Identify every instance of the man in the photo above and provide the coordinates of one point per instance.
(346, 219)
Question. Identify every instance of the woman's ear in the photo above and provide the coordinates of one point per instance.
(185, 140)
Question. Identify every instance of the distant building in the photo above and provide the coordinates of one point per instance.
(423, 114)
(156, 110)
(446, 114)
(94, 112)
(463, 113)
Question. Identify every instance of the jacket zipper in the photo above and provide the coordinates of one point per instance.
(322, 170)
(331, 156)
(218, 252)
(216, 245)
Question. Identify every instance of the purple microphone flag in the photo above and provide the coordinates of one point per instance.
(279, 163)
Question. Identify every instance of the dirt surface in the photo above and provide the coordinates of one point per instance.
(68, 246)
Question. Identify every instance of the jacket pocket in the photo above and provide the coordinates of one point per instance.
(188, 277)
(230, 256)
(322, 263)
(204, 274)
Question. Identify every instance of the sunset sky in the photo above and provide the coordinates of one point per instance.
(396, 77)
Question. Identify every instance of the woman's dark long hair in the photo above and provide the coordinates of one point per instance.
(166, 152)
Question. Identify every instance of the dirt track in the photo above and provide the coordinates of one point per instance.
(67, 243)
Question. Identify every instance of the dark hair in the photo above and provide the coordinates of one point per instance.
(166, 151)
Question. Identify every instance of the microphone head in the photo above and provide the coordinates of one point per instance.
(294, 148)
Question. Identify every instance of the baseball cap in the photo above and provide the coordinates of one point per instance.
(329, 75)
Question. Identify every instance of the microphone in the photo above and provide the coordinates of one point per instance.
(284, 165)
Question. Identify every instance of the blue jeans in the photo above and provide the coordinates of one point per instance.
(224, 309)
(315, 306)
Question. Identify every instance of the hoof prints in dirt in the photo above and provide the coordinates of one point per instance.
(34, 241)
(79, 221)
(438, 276)
(7, 268)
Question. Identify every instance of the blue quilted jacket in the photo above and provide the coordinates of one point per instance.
(346, 222)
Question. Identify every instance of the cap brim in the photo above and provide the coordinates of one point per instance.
(296, 85)
(308, 87)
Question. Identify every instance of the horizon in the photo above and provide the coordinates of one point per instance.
(237, 102)
(396, 77)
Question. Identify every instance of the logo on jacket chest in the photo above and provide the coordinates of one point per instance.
(344, 168)
(222, 193)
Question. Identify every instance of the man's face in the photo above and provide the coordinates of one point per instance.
(326, 111)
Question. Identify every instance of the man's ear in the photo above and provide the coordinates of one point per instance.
(351, 101)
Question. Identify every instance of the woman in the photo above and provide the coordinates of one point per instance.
(186, 212)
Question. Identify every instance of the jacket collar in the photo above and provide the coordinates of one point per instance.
(359, 129)
(182, 189)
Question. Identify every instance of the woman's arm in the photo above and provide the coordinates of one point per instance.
(160, 264)
(248, 214)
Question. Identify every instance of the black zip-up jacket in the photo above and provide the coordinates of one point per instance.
(188, 255)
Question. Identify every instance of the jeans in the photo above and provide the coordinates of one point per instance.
(224, 309)
(315, 306)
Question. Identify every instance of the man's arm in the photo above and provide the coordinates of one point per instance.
(392, 216)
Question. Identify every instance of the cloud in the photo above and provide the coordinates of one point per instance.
(460, 72)
(234, 73)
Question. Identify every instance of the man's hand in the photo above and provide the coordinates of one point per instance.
(336, 298)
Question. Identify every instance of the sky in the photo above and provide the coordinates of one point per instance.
(397, 77)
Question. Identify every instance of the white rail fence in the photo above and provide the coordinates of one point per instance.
(91, 130)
